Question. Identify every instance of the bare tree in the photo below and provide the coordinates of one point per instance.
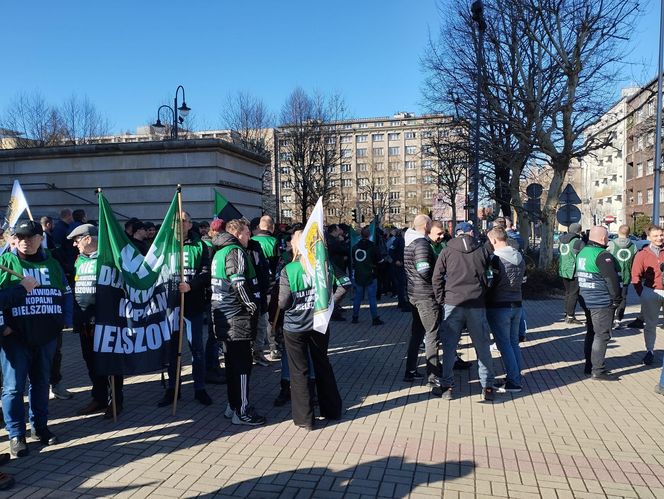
(374, 193)
(83, 123)
(35, 122)
(249, 117)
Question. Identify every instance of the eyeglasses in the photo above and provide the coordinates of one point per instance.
(79, 239)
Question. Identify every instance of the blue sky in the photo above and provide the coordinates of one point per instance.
(129, 56)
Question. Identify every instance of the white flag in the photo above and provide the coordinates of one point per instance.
(316, 264)
(16, 206)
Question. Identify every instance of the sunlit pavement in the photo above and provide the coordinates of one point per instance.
(563, 436)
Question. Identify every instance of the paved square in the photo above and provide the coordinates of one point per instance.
(564, 436)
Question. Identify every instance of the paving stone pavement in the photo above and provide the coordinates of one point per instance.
(564, 436)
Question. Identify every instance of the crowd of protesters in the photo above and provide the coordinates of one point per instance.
(249, 301)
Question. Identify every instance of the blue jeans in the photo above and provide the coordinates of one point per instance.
(450, 334)
(504, 323)
(523, 326)
(20, 363)
(197, 350)
(359, 297)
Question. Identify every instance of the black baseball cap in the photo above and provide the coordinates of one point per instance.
(27, 228)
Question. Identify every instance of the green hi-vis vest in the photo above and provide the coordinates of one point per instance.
(223, 297)
(85, 286)
(300, 316)
(268, 245)
(592, 285)
(567, 262)
(40, 318)
(219, 271)
(624, 257)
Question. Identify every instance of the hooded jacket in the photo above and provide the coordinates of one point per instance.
(623, 250)
(460, 277)
(508, 268)
(419, 260)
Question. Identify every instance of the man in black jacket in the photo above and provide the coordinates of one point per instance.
(419, 261)
(460, 281)
(338, 251)
(196, 280)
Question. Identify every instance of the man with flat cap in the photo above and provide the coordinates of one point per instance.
(29, 340)
(84, 238)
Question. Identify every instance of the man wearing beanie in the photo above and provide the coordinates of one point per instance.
(570, 245)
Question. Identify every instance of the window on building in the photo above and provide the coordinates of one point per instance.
(661, 194)
(361, 138)
(395, 194)
(395, 123)
(364, 196)
(379, 181)
(650, 167)
(345, 139)
(410, 165)
(346, 167)
(332, 169)
(393, 136)
(428, 194)
(639, 143)
(411, 180)
(639, 197)
(639, 169)
(347, 182)
(287, 199)
(411, 194)
(649, 196)
(334, 197)
(394, 166)
(395, 180)
(285, 156)
(378, 151)
(411, 150)
(395, 210)
(427, 163)
(379, 167)
(393, 151)
(331, 140)
(427, 134)
(378, 124)
(362, 167)
(363, 125)
(427, 179)
(346, 153)
(334, 183)
(284, 170)
(426, 149)
(409, 135)
(378, 137)
(413, 210)
(287, 184)
(287, 213)
(346, 126)
(363, 182)
(361, 153)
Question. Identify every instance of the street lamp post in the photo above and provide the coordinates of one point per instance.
(178, 113)
(658, 127)
(477, 11)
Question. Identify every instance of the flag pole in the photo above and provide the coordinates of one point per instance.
(113, 403)
(178, 367)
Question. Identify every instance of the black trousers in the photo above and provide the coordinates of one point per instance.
(299, 346)
(426, 319)
(101, 388)
(56, 375)
(571, 296)
(598, 334)
(238, 361)
(620, 311)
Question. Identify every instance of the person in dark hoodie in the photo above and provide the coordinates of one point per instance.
(337, 249)
(599, 286)
(623, 250)
(460, 281)
(419, 261)
(503, 305)
(365, 261)
(196, 280)
(570, 245)
(235, 307)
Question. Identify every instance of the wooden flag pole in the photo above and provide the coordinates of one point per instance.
(113, 402)
(10, 271)
(181, 327)
(27, 208)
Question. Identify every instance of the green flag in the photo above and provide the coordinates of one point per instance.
(224, 209)
(136, 296)
(373, 229)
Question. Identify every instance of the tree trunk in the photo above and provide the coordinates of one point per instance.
(454, 214)
(503, 191)
(549, 221)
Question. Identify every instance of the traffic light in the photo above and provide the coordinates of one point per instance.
(355, 219)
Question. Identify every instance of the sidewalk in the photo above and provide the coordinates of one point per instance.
(564, 436)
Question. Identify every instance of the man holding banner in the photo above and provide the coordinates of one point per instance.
(235, 304)
(29, 340)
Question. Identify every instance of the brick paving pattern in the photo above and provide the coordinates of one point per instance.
(563, 436)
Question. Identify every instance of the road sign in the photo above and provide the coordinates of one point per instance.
(568, 214)
(569, 196)
(609, 219)
(533, 207)
(534, 190)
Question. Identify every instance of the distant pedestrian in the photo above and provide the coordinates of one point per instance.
(365, 278)
(569, 245)
(623, 250)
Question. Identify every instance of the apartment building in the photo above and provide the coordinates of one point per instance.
(382, 165)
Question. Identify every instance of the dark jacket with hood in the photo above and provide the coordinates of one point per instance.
(419, 260)
(508, 268)
(460, 275)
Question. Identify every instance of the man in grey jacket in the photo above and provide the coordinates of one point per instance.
(503, 305)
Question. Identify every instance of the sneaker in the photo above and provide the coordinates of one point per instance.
(488, 393)
(43, 435)
(411, 376)
(460, 364)
(649, 358)
(377, 322)
(617, 324)
(659, 389)
(18, 447)
(215, 377)
(275, 355)
(636, 324)
(508, 388)
(168, 397)
(444, 392)
(259, 359)
(203, 397)
(249, 418)
(573, 320)
(228, 413)
(108, 413)
(605, 376)
(92, 408)
(433, 382)
(60, 392)
(354, 320)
